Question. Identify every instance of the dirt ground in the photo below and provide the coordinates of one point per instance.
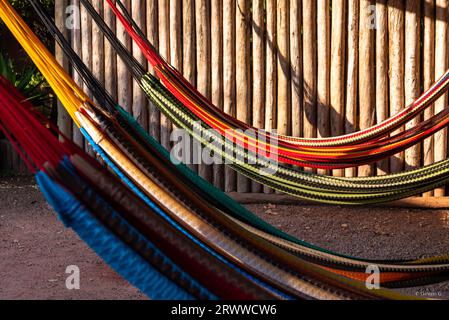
(35, 248)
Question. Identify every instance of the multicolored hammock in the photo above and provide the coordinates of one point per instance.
(116, 223)
(62, 173)
(289, 180)
(128, 159)
(359, 148)
(207, 191)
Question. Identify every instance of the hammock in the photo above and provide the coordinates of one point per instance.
(65, 175)
(96, 88)
(286, 179)
(88, 114)
(331, 153)
(205, 190)
(49, 160)
(224, 238)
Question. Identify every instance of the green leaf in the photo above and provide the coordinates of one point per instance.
(30, 83)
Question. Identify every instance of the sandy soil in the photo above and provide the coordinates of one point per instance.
(35, 248)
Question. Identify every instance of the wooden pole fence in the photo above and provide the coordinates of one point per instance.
(302, 67)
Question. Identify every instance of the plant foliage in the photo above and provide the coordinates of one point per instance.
(29, 82)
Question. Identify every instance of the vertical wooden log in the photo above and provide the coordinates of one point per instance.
(164, 49)
(283, 68)
(441, 38)
(97, 53)
(176, 53)
(243, 75)
(271, 70)
(98, 46)
(64, 120)
(258, 82)
(296, 67)
(77, 137)
(310, 69)
(217, 72)
(382, 99)
(87, 52)
(110, 56)
(337, 72)
(428, 74)
(203, 61)
(352, 71)
(367, 71)
(283, 59)
(412, 71)
(323, 70)
(189, 53)
(86, 41)
(124, 80)
(153, 36)
(139, 106)
(396, 33)
(229, 75)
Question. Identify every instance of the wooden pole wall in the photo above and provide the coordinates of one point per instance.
(306, 68)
